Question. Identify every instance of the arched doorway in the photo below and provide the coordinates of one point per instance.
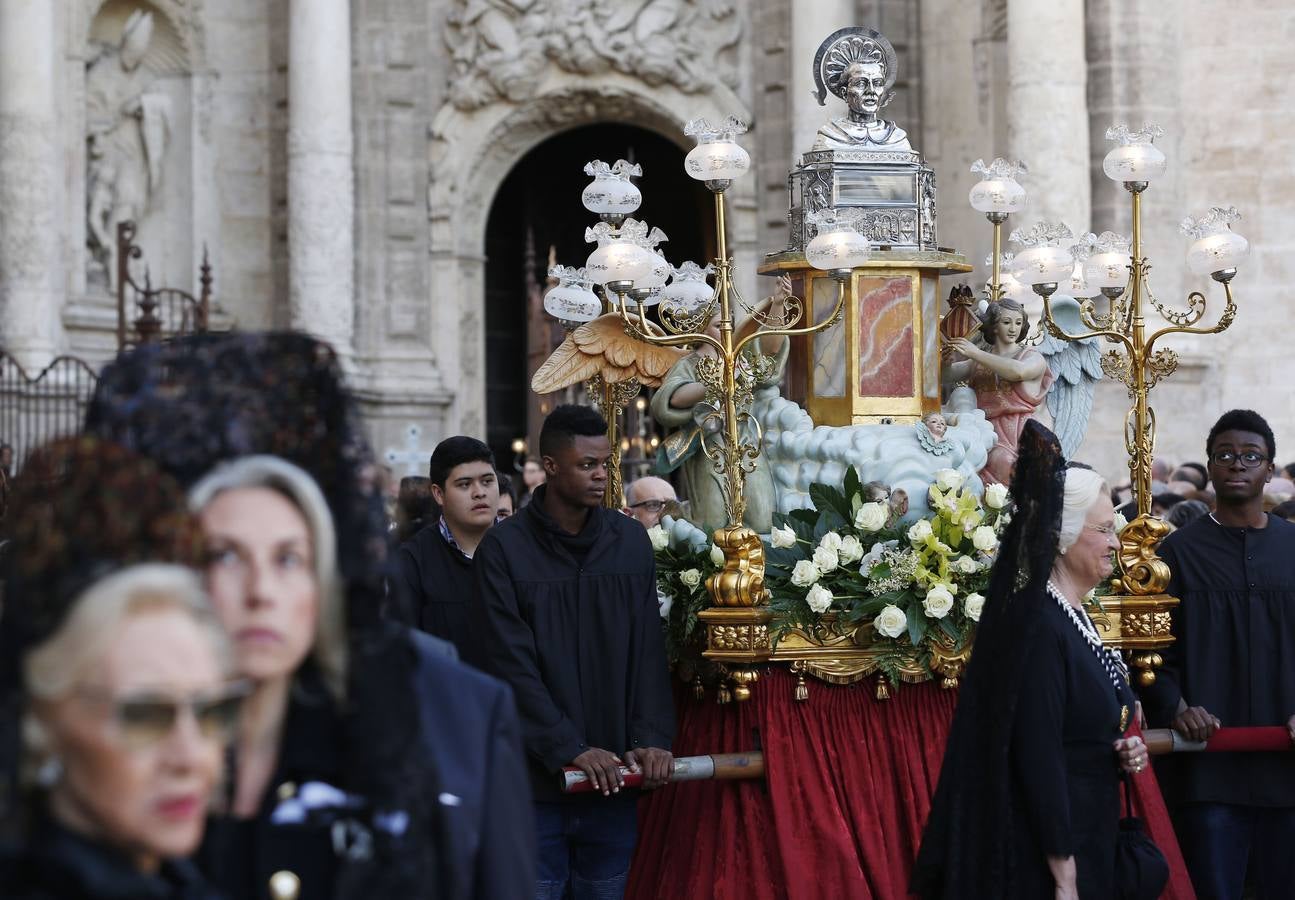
(537, 214)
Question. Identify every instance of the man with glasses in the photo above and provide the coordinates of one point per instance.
(646, 499)
(1231, 666)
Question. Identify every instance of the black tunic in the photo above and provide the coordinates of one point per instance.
(438, 582)
(1065, 791)
(571, 623)
(59, 865)
(1234, 655)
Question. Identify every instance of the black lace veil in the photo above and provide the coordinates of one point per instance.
(964, 851)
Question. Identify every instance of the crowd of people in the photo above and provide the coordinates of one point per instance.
(225, 671)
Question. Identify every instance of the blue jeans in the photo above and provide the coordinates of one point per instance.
(1221, 840)
(585, 848)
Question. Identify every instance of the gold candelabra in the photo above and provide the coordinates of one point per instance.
(1140, 604)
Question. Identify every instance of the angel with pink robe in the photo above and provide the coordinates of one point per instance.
(1010, 378)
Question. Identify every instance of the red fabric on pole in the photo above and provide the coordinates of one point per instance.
(847, 791)
(1149, 806)
(1256, 738)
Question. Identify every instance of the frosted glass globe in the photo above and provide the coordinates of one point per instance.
(1224, 249)
(718, 159)
(997, 195)
(611, 194)
(618, 260)
(1080, 287)
(1012, 288)
(1107, 270)
(571, 303)
(838, 247)
(1134, 162)
(657, 274)
(1044, 265)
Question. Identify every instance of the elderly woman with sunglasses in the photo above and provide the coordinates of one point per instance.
(1028, 799)
(115, 673)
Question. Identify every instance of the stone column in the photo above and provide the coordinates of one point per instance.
(321, 180)
(811, 22)
(30, 179)
(1047, 109)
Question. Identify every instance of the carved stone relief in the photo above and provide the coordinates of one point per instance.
(498, 47)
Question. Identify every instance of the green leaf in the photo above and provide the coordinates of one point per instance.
(853, 487)
(826, 498)
(916, 626)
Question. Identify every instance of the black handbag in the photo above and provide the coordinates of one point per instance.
(1141, 870)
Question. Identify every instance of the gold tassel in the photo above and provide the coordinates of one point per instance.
(722, 695)
(883, 689)
(802, 689)
(698, 689)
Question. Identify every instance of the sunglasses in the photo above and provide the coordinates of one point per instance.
(148, 717)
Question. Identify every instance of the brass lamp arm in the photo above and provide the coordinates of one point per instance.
(793, 332)
(1195, 297)
(664, 340)
(1056, 329)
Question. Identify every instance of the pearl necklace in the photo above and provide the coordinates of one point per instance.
(1115, 668)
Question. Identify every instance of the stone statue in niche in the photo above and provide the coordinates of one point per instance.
(128, 129)
(860, 66)
(1010, 378)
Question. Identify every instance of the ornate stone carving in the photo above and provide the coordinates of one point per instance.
(499, 47)
(128, 129)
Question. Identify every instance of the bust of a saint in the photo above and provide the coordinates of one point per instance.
(865, 87)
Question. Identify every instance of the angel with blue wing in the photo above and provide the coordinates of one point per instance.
(1076, 367)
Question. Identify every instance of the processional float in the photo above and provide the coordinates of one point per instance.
(865, 271)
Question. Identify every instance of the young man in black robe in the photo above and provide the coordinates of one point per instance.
(1233, 664)
(566, 601)
(436, 563)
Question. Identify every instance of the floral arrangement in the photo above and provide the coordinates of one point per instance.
(852, 557)
(685, 558)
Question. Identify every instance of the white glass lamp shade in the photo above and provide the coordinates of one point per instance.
(1223, 249)
(838, 247)
(1109, 269)
(1044, 265)
(717, 158)
(1079, 286)
(1135, 157)
(611, 194)
(688, 290)
(997, 195)
(572, 301)
(1012, 288)
(618, 260)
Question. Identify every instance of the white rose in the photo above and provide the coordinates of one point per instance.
(783, 538)
(949, 479)
(819, 599)
(663, 603)
(919, 532)
(966, 565)
(657, 535)
(804, 574)
(938, 602)
(716, 555)
(972, 606)
(984, 539)
(851, 549)
(826, 560)
(996, 496)
(690, 577)
(871, 517)
(831, 540)
(891, 621)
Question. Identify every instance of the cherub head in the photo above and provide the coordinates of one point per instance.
(935, 423)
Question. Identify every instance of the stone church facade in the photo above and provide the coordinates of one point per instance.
(340, 159)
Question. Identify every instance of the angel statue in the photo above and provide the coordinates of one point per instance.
(602, 348)
(931, 431)
(680, 404)
(1076, 366)
(1010, 378)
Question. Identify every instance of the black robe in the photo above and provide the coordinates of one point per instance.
(571, 623)
(59, 865)
(437, 580)
(1234, 655)
(1062, 775)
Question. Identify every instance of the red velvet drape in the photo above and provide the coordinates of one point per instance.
(849, 781)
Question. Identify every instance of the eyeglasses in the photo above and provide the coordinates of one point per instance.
(1249, 459)
(147, 718)
(652, 506)
(1102, 529)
